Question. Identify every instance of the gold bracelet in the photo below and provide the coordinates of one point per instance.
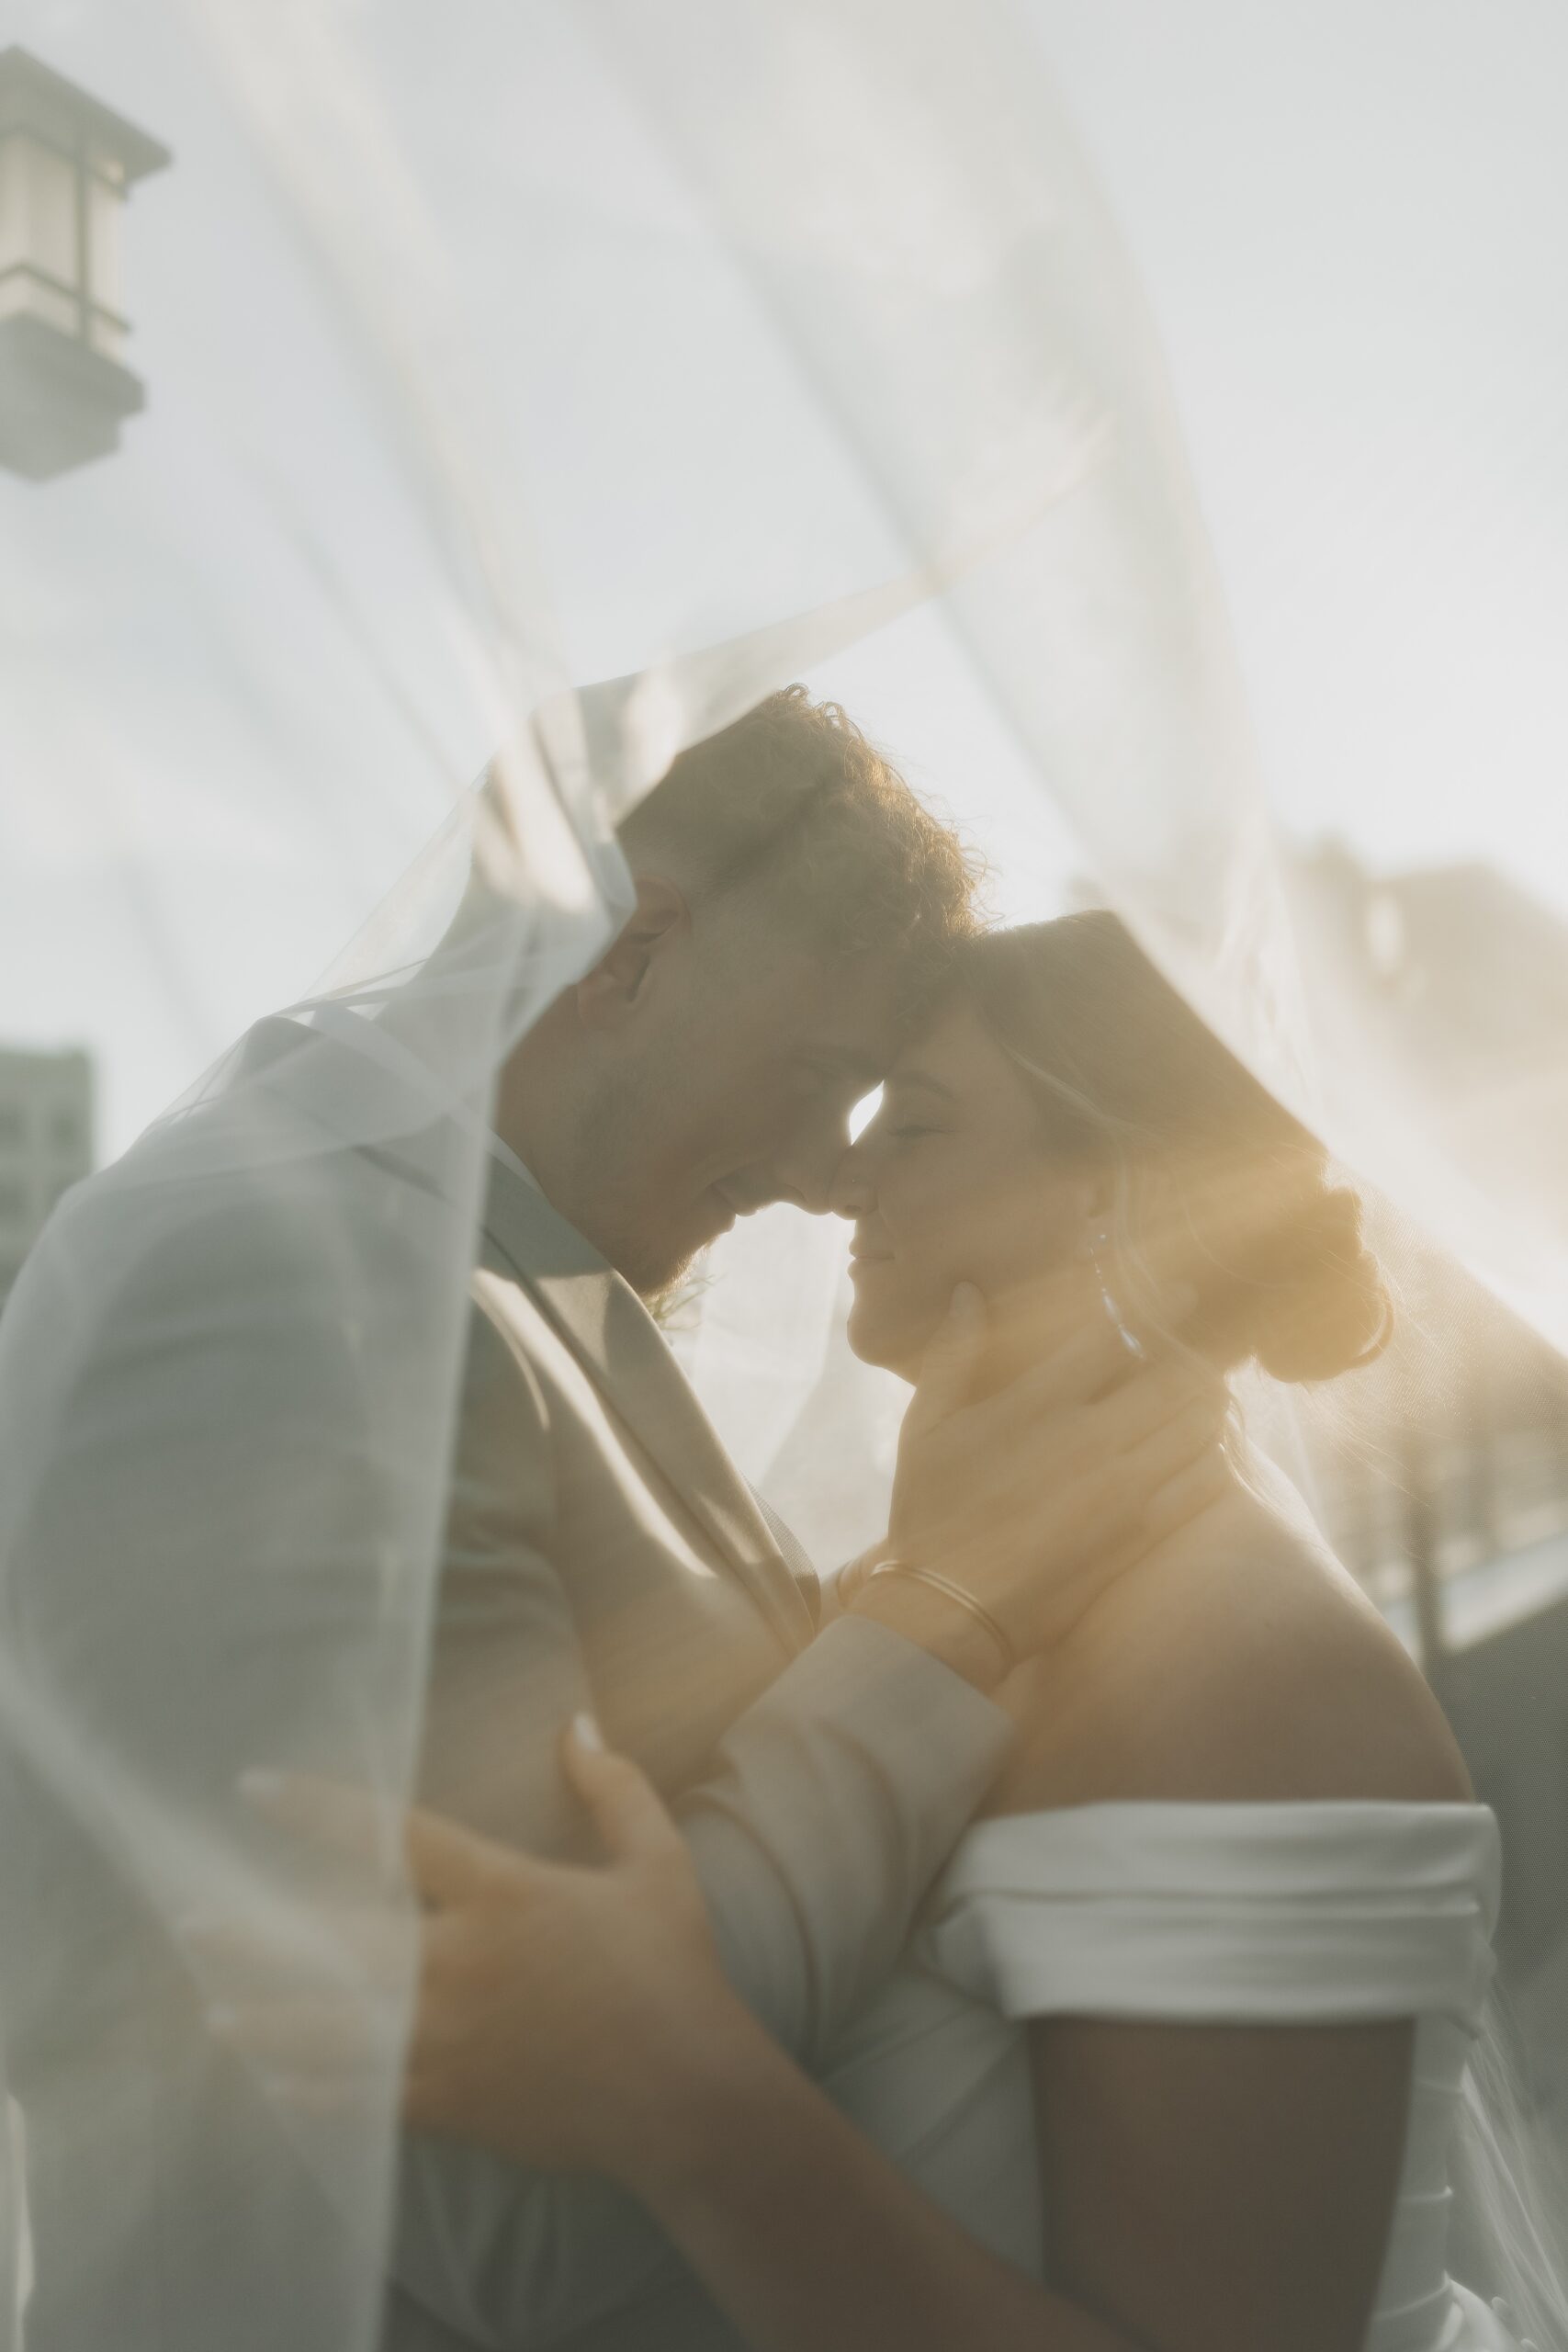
(954, 1592)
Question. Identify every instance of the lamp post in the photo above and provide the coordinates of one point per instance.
(66, 164)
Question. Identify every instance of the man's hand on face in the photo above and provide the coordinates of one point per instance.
(1032, 1500)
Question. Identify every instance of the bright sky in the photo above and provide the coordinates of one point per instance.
(232, 692)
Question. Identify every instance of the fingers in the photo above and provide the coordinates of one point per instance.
(448, 1864)
(1149, 1403)
(233, 1956)
(1177, 1460)
(445, 1861)
(304, 2040)
(951, 1361)
(1170, 1448)
(1092, 1359)
(325, 2046)
(332, 1815)
(1189, 1492)
(626, 1809)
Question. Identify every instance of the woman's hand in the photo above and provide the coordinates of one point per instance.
(1034, 1499)
(563, 2013)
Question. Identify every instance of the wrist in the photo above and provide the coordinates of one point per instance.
(850, 1581)
(936, 1624)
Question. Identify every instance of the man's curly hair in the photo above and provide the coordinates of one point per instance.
(793, 803)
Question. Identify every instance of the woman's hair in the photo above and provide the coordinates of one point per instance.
(1127, 1076)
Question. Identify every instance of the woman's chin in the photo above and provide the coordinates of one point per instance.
(881, 1336)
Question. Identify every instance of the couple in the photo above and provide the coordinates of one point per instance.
(1070, 1934)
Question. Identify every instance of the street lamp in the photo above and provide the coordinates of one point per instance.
(66, 163)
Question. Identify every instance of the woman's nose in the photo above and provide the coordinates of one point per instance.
(852, 1193)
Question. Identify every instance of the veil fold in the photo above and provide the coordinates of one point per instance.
(686, 345)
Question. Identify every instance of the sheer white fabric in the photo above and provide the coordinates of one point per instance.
(685, 343)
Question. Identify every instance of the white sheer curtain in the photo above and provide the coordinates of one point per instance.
(700, 344)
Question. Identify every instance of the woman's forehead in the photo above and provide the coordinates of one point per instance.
(955, 1055)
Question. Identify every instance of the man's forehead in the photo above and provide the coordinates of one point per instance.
(857, 1034)
(868, 1063)
(855, 1008)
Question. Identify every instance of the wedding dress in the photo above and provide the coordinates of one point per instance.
(1204, 1915)
(1299, 1914)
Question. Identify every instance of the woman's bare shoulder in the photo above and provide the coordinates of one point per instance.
(1240, 1663)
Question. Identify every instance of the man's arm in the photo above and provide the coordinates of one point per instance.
(219, 1566)
(224, 1568)
(835, 1798)
(217, 1502)
(830, 1805)
(834, 1801)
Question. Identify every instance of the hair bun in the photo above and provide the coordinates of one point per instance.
(1328, 1308)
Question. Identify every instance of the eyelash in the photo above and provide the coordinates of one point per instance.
(907, 1135)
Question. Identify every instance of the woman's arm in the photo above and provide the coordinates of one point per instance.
(812, 2241)
(1211, 2187)
(1205, 2191)
(1207, 2185)
(578, 2020)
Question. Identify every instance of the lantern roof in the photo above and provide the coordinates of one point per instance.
(34, 97)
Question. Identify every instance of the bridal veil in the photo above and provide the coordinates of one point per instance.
(692, 347)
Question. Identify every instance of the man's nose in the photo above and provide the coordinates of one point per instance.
(805, 1181)
(852, 1192)
(807, 1171)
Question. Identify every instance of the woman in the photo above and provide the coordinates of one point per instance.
(1184, 2030)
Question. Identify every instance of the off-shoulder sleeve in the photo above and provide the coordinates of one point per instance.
(1224, 1914)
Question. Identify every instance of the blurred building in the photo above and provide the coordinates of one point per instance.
(1453, 1451)
(1469, 973)
(1478, 967)
(1443, 1469)
(46, 1144)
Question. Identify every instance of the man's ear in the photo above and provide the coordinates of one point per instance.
(607, 995)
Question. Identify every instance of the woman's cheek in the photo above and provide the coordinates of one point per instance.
(945, 1246)
(1006, 1242)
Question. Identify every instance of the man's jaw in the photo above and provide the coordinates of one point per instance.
(737, 1198)
(656, 1278)
(728, 1210)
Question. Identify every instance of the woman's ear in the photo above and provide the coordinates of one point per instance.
(1094, 1204)
(607, 995)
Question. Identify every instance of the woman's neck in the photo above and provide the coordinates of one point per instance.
(1028, 1323)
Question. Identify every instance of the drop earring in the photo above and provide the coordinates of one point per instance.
(1099, 1250)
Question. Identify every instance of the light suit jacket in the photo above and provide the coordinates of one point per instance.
(604, 1550)
(600, 1550)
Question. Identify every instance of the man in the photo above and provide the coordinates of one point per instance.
(208, 1561)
